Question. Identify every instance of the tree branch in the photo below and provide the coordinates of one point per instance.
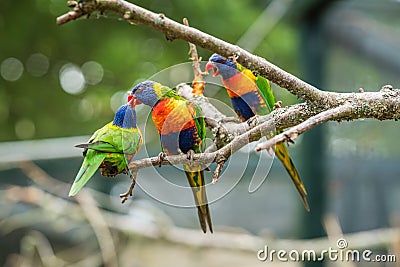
(320, 106)
(291, 134)
(382, 105)
(174, 30)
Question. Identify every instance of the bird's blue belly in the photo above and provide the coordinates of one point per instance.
(175, 141)
(245, 104)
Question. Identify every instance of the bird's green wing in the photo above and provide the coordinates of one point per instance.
(108, 139)
(131, 141)
(198, 113)
(99, 146)
(90, 164)
(200, 125)
(172, 94)
(165, 92)
(266, 92)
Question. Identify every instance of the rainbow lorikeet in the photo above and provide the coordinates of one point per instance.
(181, 127)
(110, 148)
(252, 95)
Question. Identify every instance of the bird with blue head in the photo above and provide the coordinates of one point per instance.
(110, 148)
(180, 124)
(252, 95)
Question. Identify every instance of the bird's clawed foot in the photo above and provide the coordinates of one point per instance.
(253, 121)
(217, 172)
(190, 155)
(234, 57)
(161, 157)
(278, 104)
(289, 139)
(124, 197)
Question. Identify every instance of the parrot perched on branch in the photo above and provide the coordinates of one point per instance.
(110, 148)
(181, 127)
(252, 95)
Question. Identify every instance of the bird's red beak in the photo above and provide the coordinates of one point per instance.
(133, 101)
(130, 98)
(211, 66)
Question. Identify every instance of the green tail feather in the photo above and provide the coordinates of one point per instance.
(196, 181)
(89, 166)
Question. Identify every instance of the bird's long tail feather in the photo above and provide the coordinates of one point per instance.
(283, 155)
(196, 181)
(89, 166)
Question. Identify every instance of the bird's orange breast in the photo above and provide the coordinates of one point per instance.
(172, 115)
(239, 84)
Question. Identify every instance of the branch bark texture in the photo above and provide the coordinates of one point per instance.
(174, 30)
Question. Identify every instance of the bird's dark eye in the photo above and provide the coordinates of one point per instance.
(222, 60)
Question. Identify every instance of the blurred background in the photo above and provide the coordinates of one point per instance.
(58, 84)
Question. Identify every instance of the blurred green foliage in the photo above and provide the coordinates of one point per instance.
(33, 103)
(112, 56)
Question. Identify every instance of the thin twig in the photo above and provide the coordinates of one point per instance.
(378, 238)
(291, 134)
(37, 241)
(43, 179)
(87, 203)
(198, 83)
(71, 15)
(100, 228)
